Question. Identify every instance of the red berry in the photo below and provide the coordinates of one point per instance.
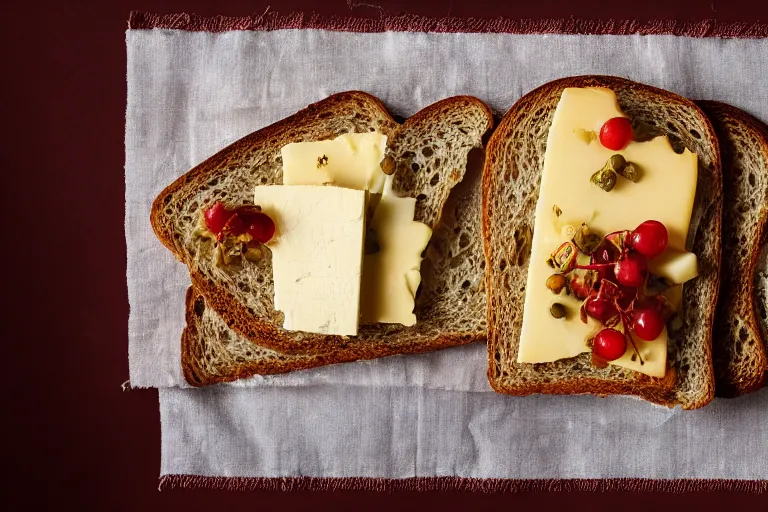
(259, 226)
(647, 323)
(216, 217)
(606, 252)
(631, 270)
(600, 309)
(616, 133)
(609, 344)
(649, 238)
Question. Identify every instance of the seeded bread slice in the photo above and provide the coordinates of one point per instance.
(431, 151)
(739, 351)
(514, 159)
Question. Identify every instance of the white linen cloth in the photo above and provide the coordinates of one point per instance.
(192, 93)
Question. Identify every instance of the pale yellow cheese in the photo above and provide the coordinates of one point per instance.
(665, 193)
(391, 276)
(351, 160)
(674, 265)
(317, 255)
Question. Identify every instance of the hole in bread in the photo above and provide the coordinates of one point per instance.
(435, 179)
(671, 127)
(199, 306)
(409, 154)
(482, 264)
(427, 151)
(695, 134)
(263, 180)
(371, 129)
(743, 334)
(465, 284)
(421, 197)
(751, 179)
(169, 211)
(503, 265)
(463, 240)
(415, 167)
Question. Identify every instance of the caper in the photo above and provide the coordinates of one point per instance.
(557, 310)
(605, 179)
(586, 241)
(615, 163)
(388, 165)
(253, 253)
(631, 172)
(556, 283)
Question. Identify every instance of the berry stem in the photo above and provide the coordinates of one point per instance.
(594, 266)
(628, 335)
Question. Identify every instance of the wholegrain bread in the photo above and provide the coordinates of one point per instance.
(514, 159)
(452, 298)
(431, 151)
(739, 351)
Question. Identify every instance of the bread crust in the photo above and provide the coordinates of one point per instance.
(664, 391)
(737, 377)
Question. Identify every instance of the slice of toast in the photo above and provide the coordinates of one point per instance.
(514, 159)
(452, 298)
(738, 350)
(431, 152)
(211, 352)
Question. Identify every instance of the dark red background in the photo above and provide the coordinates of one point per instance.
(71, 436)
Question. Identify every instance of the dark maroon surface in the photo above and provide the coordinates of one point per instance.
(71, 436)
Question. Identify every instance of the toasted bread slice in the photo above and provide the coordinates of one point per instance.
(738, 350)
(431, 152)
(452, 299)
(514, 159)
(212, 353)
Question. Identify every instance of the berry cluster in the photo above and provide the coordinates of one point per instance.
(612, 284)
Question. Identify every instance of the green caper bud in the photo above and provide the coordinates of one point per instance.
(388, 165)
(556, 283)
(557, 310)
(631, 172)
(253, 252)
(615, 163)
(605, 179)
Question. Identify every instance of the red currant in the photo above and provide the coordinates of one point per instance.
(616, 133)
(259, 226)
(600, 309)
(649, 238)
(631, 270)
(216, 217)
(609, 344)
(647, 323)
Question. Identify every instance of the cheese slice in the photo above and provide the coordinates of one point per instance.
(665, 193)
(391, 276)
(351, 160)
(317, 255)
